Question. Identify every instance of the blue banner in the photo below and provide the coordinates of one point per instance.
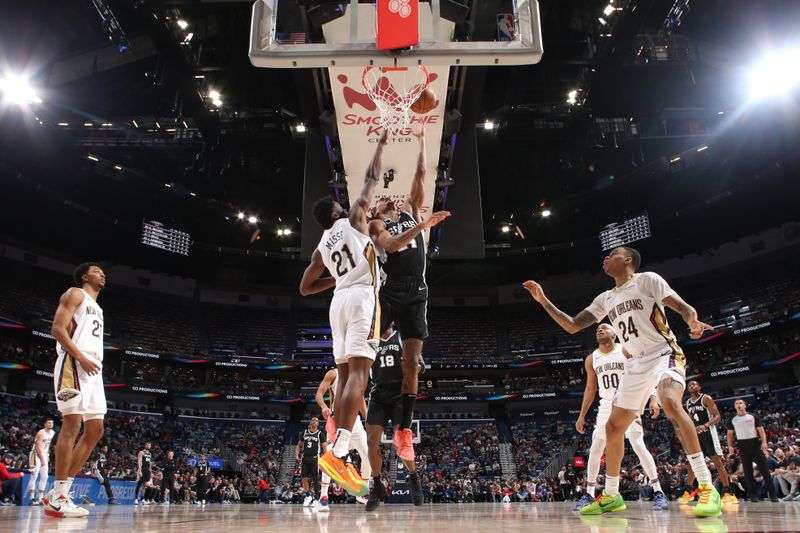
(89, 486)
(214, 462)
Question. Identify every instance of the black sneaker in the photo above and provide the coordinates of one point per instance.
(376, 496)
(415, 486)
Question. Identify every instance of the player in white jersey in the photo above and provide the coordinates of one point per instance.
(604, 370)
(346, 251)
(358, 437)
(635, 308)
(39, 461)
(78, 379)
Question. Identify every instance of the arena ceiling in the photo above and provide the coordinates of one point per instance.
(661, 123)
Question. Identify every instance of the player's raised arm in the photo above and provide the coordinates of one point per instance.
(570, 324)
(359, 208)
(417, 196)
(393, 243)
(312, 281)
(589, 392)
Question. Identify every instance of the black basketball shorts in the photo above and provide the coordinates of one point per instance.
(385, 407)
(309, 469)
(406, 304)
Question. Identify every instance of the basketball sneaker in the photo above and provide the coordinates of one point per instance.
(660, 502)
(47, 497)
(307, 501)
(687, 497)
(323, 506)
(730, 499)
(583, 502)
(403, 441)
(415, 486)
(345, 477)
(62, 507)
(708, 501)
(604, 504)
(376, 496)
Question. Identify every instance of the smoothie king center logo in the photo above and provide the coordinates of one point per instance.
(356, 98)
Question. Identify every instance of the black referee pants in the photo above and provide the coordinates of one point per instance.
(751, 453)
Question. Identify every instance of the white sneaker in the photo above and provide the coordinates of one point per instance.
(165, 502)
(145, 502)
(308, 501)
(62, 507)
(136, 501)
(47, 497)
(361, 499)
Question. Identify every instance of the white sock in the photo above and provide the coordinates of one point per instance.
(612, 485)
(61, 488)
(656, 486)
(324, 490)
(342, 444)
(698, 463)
(590, 488)
(69, 483)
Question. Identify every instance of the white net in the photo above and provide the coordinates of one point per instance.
(394, 91)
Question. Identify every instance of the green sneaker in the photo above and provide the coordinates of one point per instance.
(606, 504)
(708, 501)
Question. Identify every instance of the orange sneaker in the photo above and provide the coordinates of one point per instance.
(403, 442)
(347, 478)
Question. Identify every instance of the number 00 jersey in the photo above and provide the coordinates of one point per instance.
(636, 313)
(348, 255)
(86, 328)
(609, 368)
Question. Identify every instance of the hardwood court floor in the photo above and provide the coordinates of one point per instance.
(439, 518)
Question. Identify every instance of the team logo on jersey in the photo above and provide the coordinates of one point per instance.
(66, 395)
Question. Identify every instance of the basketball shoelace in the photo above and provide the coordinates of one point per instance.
(705, 495)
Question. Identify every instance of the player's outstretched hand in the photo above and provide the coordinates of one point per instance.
(655, 409)
(579, 423)
(436, 218)
(384, 137)
(90, 365)
(535, 289)
(697, 328)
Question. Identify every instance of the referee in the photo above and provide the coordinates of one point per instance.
(752, 443)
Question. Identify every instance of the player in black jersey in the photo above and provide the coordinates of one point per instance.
(310, 446)
(385, 404)
(203, 470)
(705, 415)
(100, 472)
(397, 231)
(144, 471)
(168, 483)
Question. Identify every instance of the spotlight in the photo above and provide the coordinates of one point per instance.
(287, 231)
(488, 125)
(602, 21)
(252, 219)
(240, 216)
(572, 97)
(117, 167)
(92, 158)
(168, 185)
(214, 95)
(63, 124)
(300, 128)
(88, 124)
(703, 148)
(188, 37)
(280, 232)
(775, 75)
(505, 229)
(217, 102)
(18, 91)
(182, 24)
(608, 10)
(546, 213)
(675, 159)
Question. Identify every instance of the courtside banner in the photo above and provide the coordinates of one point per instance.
(358, 120)
(88, 486)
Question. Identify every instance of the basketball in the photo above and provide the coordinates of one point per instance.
(425, 103)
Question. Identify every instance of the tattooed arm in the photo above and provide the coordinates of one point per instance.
(689, 315)
(572, 325)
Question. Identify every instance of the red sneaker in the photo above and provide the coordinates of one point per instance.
(403, 441)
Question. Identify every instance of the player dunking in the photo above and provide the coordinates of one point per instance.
(404, 295)
(385, 404)
(604, 369)
(39, 461)
(358, 437)
(705, 415)
(635, 308)
(347, 253)
(78, 382)
(310, 446)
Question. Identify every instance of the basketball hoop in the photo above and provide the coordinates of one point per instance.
(394, 90)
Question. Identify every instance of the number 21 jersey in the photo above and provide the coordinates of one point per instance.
(348, 255)
(636, 313)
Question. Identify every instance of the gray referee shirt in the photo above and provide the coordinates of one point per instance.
(744, 427)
